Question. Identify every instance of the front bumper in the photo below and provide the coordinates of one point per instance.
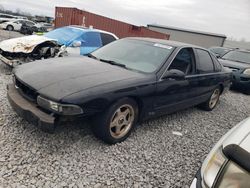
(196, 183)
(29, 111)
(241, 81)
(8, 62)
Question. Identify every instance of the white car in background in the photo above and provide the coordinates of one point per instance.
(228, 164)
(6, 17)
(16, 24)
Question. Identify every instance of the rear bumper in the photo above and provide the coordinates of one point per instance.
(29, 110)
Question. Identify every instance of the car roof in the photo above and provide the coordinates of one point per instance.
(166, 42)
(92, 30)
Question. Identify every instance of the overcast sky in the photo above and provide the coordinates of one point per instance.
(229, 17)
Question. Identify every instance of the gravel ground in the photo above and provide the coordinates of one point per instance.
(151, 157)
(9, 34)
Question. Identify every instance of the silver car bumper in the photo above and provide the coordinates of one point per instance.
(8, 62)
(194, 182)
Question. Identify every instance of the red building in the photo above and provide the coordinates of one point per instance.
(65, 16)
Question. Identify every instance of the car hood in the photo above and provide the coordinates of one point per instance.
(239, 135)
(234, 64)
(23, 44)
(59, 77)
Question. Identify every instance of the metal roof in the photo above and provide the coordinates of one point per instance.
(187, 30)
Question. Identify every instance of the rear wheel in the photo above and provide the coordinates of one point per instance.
(10, 28)
(247, 92)
(117, 122)
(213, 100)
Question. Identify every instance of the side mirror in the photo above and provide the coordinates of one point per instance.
(76, 44)
(175, 74)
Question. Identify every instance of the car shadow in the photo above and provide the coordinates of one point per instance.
(238, 91)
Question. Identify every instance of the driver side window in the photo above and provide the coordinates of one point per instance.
(184, 61)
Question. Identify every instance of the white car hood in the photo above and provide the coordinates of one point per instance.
(240, 135)
(23, 44)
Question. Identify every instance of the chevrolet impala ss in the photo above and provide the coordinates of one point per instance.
(118, 85)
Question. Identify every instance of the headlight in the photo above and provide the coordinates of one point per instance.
(247, 72)
(213, 167)
(65, 109)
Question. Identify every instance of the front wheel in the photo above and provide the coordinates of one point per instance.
(117, 122)
(213, 100)
(10, 28)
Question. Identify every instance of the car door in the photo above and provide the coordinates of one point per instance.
(174, 94)
(207, 75)
(17, 25)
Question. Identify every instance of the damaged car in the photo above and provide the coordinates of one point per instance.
(70, 40)
(124, 82)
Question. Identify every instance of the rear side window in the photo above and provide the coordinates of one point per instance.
(92, 39)
(106, 38)
(217, 65)
(205, 64)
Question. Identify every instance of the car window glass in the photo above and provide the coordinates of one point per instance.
(217, 65)
(29, 23)
(183, 61)
(106, 38)
(144, 56)
(205, 64)
(233, 176)
(241, 56)
(92, 39)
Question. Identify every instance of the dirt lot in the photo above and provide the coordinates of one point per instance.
(151, 157)
(9, 34)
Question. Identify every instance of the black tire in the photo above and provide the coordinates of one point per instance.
(209, 105)
(9, 28)
(247, 92)
(102, 123)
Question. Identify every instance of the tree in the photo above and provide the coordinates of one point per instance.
(1, 8)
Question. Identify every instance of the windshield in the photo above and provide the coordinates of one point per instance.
(65, 35)
(220, 51)
(135, 54)
(237, 56)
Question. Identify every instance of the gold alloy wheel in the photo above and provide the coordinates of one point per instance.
(122, 121)
(214, 98)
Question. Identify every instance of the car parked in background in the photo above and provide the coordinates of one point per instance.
(28, 28)
(227, 165)
(16, 24)
(220, 51)
(125, 81)
(70, 40)
(8, 17)
(239, 62)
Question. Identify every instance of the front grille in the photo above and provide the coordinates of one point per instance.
(26, 91)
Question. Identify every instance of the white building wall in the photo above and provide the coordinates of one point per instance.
(205, 41)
